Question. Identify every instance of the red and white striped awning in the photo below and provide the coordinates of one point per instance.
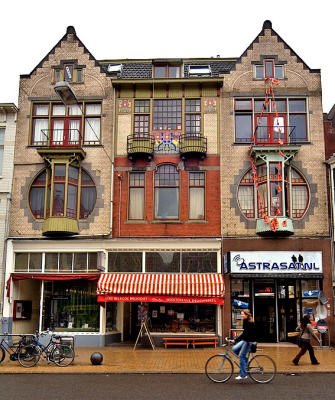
(181, 288)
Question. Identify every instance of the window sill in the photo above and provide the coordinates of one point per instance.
(163, 221)
(135, 222)
(200, 221)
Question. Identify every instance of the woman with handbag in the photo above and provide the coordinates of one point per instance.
(306, 333)
(244, 342)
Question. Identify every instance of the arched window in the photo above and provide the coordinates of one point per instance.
(57, 192)
(167, 192)
(292, 201)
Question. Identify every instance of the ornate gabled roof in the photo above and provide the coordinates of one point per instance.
(268, 25)
(69, 31)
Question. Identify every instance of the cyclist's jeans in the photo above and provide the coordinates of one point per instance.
(241, 349)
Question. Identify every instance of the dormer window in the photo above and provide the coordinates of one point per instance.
(199, 70)
(269, 70)
(114, 68)
(166, 71)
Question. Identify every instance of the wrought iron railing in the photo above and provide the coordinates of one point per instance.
(59, 138)
(274, 135)
(195, 144)
(140, 145)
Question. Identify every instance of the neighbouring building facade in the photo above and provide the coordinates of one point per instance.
(273, 185)
(8, 112)
(176, 191)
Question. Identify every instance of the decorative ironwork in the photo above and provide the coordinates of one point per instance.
(139, 146)
(62, 138)
(273, 135)
(192, 145)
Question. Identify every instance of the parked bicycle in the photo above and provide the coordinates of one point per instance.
(12, 348)
(59, 350)
(220, 367)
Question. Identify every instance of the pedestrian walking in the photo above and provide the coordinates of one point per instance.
(243, 342)
(306, 333)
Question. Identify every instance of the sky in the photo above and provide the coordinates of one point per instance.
(114, 29)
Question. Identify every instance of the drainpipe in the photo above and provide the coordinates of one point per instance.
(4, 256)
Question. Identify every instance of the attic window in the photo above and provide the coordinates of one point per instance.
(199, 70)
(269, 70)
(114, 68)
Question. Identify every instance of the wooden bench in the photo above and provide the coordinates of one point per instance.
(178, 341)
(205, 340)
(186, 341)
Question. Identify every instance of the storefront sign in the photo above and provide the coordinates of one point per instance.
(288, 262)
(160, 299)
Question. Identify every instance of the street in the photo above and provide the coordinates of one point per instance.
(161, 386)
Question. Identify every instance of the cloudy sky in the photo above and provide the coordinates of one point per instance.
(155, 28)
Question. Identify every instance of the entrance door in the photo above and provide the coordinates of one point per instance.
(287, 308)
(265, 310)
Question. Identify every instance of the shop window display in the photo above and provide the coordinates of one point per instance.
(70, 306)
(240, 299)
(182, 318)
(310, 290)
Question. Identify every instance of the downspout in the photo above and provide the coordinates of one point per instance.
(4, 256)
(112, 166)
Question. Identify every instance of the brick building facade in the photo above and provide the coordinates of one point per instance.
(163, 185)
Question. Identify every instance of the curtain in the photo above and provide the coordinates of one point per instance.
(87, 201)
(37, 196)
(74, 131)
(197, 203)
(136, 203)
(299, 200)
(75, 109)
(39, 126)
(246, 200)
(93, 109)
(41, 109)
(92, 130)
(58, 131)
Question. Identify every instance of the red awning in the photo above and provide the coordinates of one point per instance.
(171, 288)
(51, 277)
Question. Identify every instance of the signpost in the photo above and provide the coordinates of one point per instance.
(144, 331)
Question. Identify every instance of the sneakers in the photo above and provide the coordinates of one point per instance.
(295, 362)
(241, 377)
(315, 363)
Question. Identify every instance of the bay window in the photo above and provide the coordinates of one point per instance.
(272, 198)
(58, 188)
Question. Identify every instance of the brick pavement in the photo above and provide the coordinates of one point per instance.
(122, 359)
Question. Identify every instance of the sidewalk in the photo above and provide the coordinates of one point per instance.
(122, 359)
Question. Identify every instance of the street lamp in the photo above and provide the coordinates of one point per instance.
(65, 93)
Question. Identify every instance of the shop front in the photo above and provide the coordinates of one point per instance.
(278, 287)
(172, 304)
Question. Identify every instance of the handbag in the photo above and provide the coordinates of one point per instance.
(253, 347)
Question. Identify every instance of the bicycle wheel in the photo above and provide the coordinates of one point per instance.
(28, 355)
(2, 354)
(219, 368)
(262, 369)
(62, 355)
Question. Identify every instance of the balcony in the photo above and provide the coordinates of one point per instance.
(140, 146)
(192, 146)
(60, 227)
(284, 227)
(60, 141)
(277, 135)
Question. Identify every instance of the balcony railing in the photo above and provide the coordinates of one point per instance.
(274, 135)
(192, 146)
(59, 138)
(140, 146)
